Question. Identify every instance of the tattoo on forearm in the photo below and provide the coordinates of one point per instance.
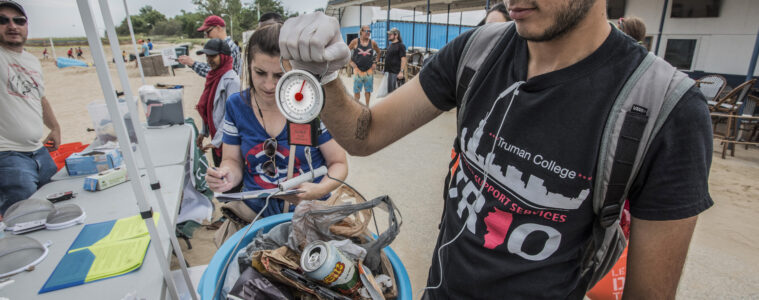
(362, 124)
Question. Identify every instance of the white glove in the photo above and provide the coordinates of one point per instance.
(313, 43)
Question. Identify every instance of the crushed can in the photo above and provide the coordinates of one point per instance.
(323, 262)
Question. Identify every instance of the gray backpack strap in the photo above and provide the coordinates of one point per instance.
(652, 90)
(638, 113)
(482, 42)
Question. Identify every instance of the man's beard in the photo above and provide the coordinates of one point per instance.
(565, 21)
(12, 44)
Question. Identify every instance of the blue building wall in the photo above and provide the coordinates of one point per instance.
(346, 30)
(437, 33)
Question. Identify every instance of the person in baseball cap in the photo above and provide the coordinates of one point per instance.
(13, 4)
(25, 111)
(211, 23)
(221, 82)
(215, 47)
(214, 27)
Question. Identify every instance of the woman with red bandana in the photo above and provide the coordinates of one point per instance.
(221, 82)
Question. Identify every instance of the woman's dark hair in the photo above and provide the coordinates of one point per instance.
(500, 8)
(266, 41)
(270, 18)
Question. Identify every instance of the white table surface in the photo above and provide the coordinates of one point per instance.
(114, 203)
(167, 146)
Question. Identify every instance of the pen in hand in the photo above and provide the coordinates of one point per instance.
(214, 168)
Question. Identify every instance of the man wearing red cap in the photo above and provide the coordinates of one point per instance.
(214, 28)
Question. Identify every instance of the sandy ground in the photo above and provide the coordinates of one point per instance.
(723, 255)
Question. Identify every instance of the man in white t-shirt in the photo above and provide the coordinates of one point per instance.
(25, 164)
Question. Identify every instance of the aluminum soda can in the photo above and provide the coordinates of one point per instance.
(323, 262)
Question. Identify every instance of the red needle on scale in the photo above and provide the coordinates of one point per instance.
(299, 94)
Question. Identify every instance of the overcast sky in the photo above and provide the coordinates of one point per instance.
(60, 18)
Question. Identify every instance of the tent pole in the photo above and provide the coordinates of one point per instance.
(461, 19)
(661, 26)
(134, 42)
(447, 21)
(104, 76)
(132, 106)
(413, 28)
(387, 25)
(752, 64)
(427, 34)
(52, 46)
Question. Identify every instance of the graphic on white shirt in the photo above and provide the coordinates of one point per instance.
(21, 82)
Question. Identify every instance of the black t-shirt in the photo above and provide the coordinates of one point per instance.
(524, 239)
(393, 56)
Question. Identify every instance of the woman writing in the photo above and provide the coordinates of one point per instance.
(221, 82)
(256, 150)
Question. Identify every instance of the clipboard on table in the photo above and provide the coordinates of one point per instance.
(258, 194)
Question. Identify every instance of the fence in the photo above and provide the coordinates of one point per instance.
(437, 33)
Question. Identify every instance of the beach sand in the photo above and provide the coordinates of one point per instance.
(722, 262)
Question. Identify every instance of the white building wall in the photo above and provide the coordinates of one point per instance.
(724, 44)
(351, 16)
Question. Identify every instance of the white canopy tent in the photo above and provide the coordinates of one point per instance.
(140, 193)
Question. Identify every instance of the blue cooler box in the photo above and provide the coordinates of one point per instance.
(91, 162)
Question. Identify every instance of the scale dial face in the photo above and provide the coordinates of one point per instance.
(299, 96)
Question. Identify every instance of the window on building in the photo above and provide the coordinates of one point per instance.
(647, 42)
(351, 37)
(615, 9)
(696, 8)
(680, 53)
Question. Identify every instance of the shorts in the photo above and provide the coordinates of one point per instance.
(22, 174)
(365, 81)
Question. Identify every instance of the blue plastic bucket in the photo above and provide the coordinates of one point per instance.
(216, 266)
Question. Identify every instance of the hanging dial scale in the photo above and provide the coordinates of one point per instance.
(300, 98)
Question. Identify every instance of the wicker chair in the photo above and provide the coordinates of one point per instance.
(749, 127)
(730, 103)
(711, 86)
(414, 64)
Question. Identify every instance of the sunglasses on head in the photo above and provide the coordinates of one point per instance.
(270, 149)
(19, 20)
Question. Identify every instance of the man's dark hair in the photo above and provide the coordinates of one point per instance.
(148, 40)
(270, 18)
(500, 8)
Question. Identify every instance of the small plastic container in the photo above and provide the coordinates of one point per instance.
(162, 105)
(101, 121)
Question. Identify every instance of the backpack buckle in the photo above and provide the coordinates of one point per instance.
(609, 214)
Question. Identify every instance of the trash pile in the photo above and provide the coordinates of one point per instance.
(325, 252)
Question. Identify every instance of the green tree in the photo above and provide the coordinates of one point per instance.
(142, 23)
(138, 25)
(171, 27)
(190, 21)
(151, 16)
(211, 7)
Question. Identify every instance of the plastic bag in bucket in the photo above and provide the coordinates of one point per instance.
(215, 268)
